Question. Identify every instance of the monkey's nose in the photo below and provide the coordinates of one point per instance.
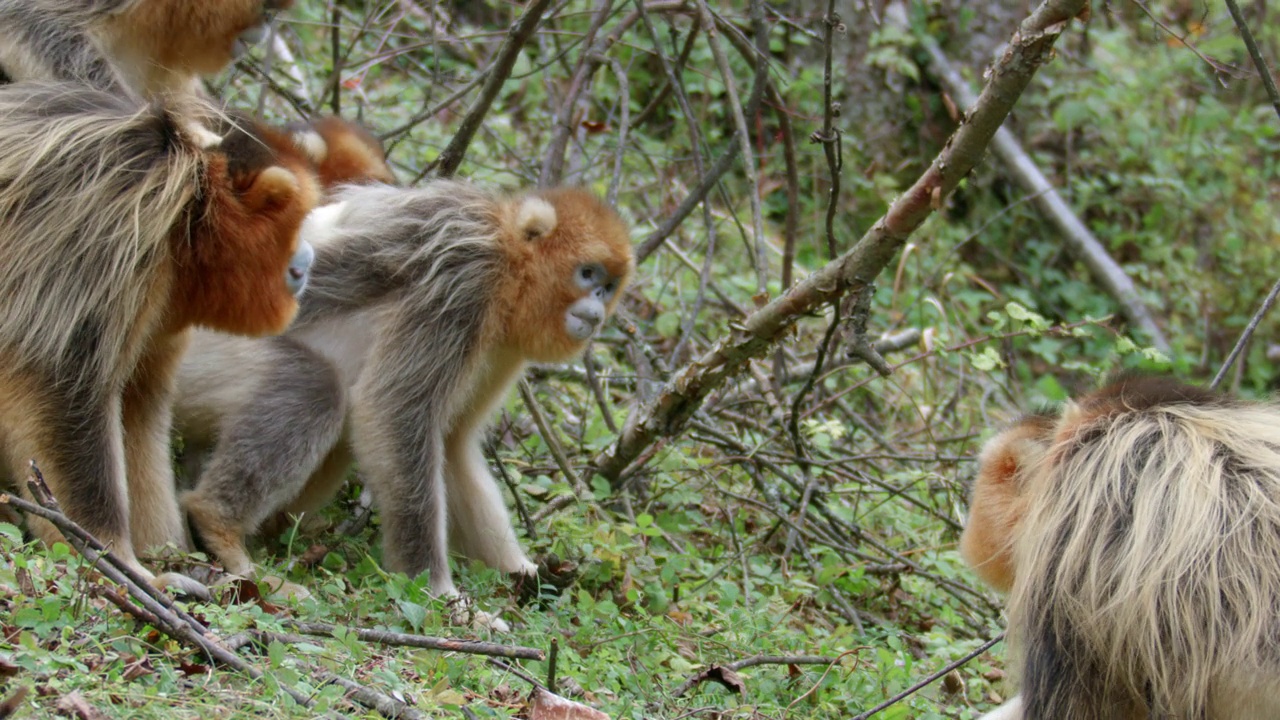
(591, 314)
(295, 276)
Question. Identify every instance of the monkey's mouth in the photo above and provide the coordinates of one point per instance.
(299, 270)
(580, 328)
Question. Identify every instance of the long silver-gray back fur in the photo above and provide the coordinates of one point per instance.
(1150, 559)
(432, 247)
(91, 187)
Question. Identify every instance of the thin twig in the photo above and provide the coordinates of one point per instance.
(1268, 81)
(446, 164)
(925, 682)
(743, 136)
(1245, 336)
(386, 637)
(552, 440)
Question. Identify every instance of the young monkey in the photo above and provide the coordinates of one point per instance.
(1138, 534)
(424, 307)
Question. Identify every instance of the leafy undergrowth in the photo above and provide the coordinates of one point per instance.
(743, 536)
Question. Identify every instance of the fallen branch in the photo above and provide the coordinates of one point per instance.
(386, 637)
(669, 412)
(1079, 240)
(158, 611)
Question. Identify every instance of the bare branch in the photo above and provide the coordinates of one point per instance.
(446, 164)
(668, 413)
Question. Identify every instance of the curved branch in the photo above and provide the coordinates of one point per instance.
(667, 414)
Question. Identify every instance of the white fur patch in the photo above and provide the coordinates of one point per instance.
(536, 218)
(286, 180)
(203, 137)
(311, 143)
(320, 225)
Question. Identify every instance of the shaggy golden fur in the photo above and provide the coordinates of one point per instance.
(151, 47)
(342, 151)
(424, 307)
(116, 234)
(1146, 558)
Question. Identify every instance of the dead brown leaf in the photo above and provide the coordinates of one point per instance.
(546, 706)
(12, 703)
(77, 707)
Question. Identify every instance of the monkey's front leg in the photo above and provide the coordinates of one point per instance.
(479, 523)
(154, 519)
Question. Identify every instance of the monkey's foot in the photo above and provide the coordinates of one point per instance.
(182, 585)
(462, 611)
(280, 587)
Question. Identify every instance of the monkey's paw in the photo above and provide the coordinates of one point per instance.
(462, 611)
(182, 585)
(281, 588)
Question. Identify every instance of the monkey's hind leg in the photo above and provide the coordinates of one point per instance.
(154, 519)
(75, 436)
(267, 452)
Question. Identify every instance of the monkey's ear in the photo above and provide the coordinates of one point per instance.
(312, 144)
(271, 188)
(536, 218)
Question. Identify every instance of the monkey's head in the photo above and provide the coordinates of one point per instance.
(570, 258)
(241, 264)
(998, 503)
(341, 152)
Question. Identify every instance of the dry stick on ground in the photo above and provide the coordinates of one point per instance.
(446, 164)
(925, 682)
(1080, 242)
(161, 611)
(667, 415)
(158, 611)
(385, 637)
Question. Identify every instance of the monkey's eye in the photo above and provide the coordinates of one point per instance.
(590, 276)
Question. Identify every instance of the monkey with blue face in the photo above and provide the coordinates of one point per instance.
(424, 307)
(118, 233)
(1137, 533)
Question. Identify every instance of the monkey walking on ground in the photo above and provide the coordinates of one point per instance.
(424, 306)
(1138, 534)
(117, 233)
